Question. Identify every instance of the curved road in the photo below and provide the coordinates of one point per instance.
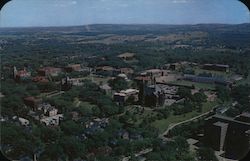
(171, 126)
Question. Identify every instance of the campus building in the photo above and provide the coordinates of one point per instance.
(122, 96)
(52, 71)
(228, 135)
(216, 67)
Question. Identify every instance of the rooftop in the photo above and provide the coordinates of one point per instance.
(147, 78)
(105, 87)
(127, 91)
(221, 124)
(49, 69)
(218, 65)
(126, 55)
(245, 114)
(154, 70)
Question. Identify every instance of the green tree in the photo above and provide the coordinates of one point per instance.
(206, 154)
(70, 127)
(72, 147)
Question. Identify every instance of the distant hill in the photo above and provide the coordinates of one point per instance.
(114, 28)
(224, 34)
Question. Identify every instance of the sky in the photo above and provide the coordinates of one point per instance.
(26, 13)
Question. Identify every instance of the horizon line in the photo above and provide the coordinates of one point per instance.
(53, 26)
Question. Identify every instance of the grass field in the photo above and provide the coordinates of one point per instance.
(78, 103)
(163, 124)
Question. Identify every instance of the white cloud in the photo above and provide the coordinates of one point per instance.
(74, 2)
(64, 3)
(181, 1)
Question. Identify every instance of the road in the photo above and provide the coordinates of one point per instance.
(171, 126)
(54, 94)
(145, 151)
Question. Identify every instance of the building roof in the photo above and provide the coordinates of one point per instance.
(153, 70)
(126, 55)
(49, 69)
(23, 73)
(40, 79)
(143, 78)
(127, 91)
(245, 114)
(107, 68)
(228, 119)
(1, 95)
(105, 87)
(221, 124)
(120, 94)
(122, 75)
(74, 65)
(218, 65)
(126, 70)
(31, 98)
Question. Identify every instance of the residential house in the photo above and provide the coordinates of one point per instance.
(126, 56)
(127, 71)
(23, 122)
(175, 66)
(106, 88)
(105, 70)
(21, 74)
(50, 116)
(143, 79)
(73, 67)
(40, 79)
(52, 120)
(96, 125)
(122, 96)
(123, 76)
(156, 73)
(32, 102)
(67, 82)
(49, 71)
(123, 134)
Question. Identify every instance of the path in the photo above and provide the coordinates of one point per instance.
(171, 126)
(54, 94)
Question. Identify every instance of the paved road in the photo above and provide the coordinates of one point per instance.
(145, 151)
(55, 94)
(171, 126)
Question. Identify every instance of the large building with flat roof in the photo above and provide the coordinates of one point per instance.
(216, 67)
(227, 134)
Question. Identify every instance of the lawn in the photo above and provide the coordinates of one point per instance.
(140, 115)
(79, 103)
(163, 124)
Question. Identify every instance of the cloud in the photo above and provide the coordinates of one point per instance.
(65, 3)
(181, 1)
(123, 5)
(74, 2)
